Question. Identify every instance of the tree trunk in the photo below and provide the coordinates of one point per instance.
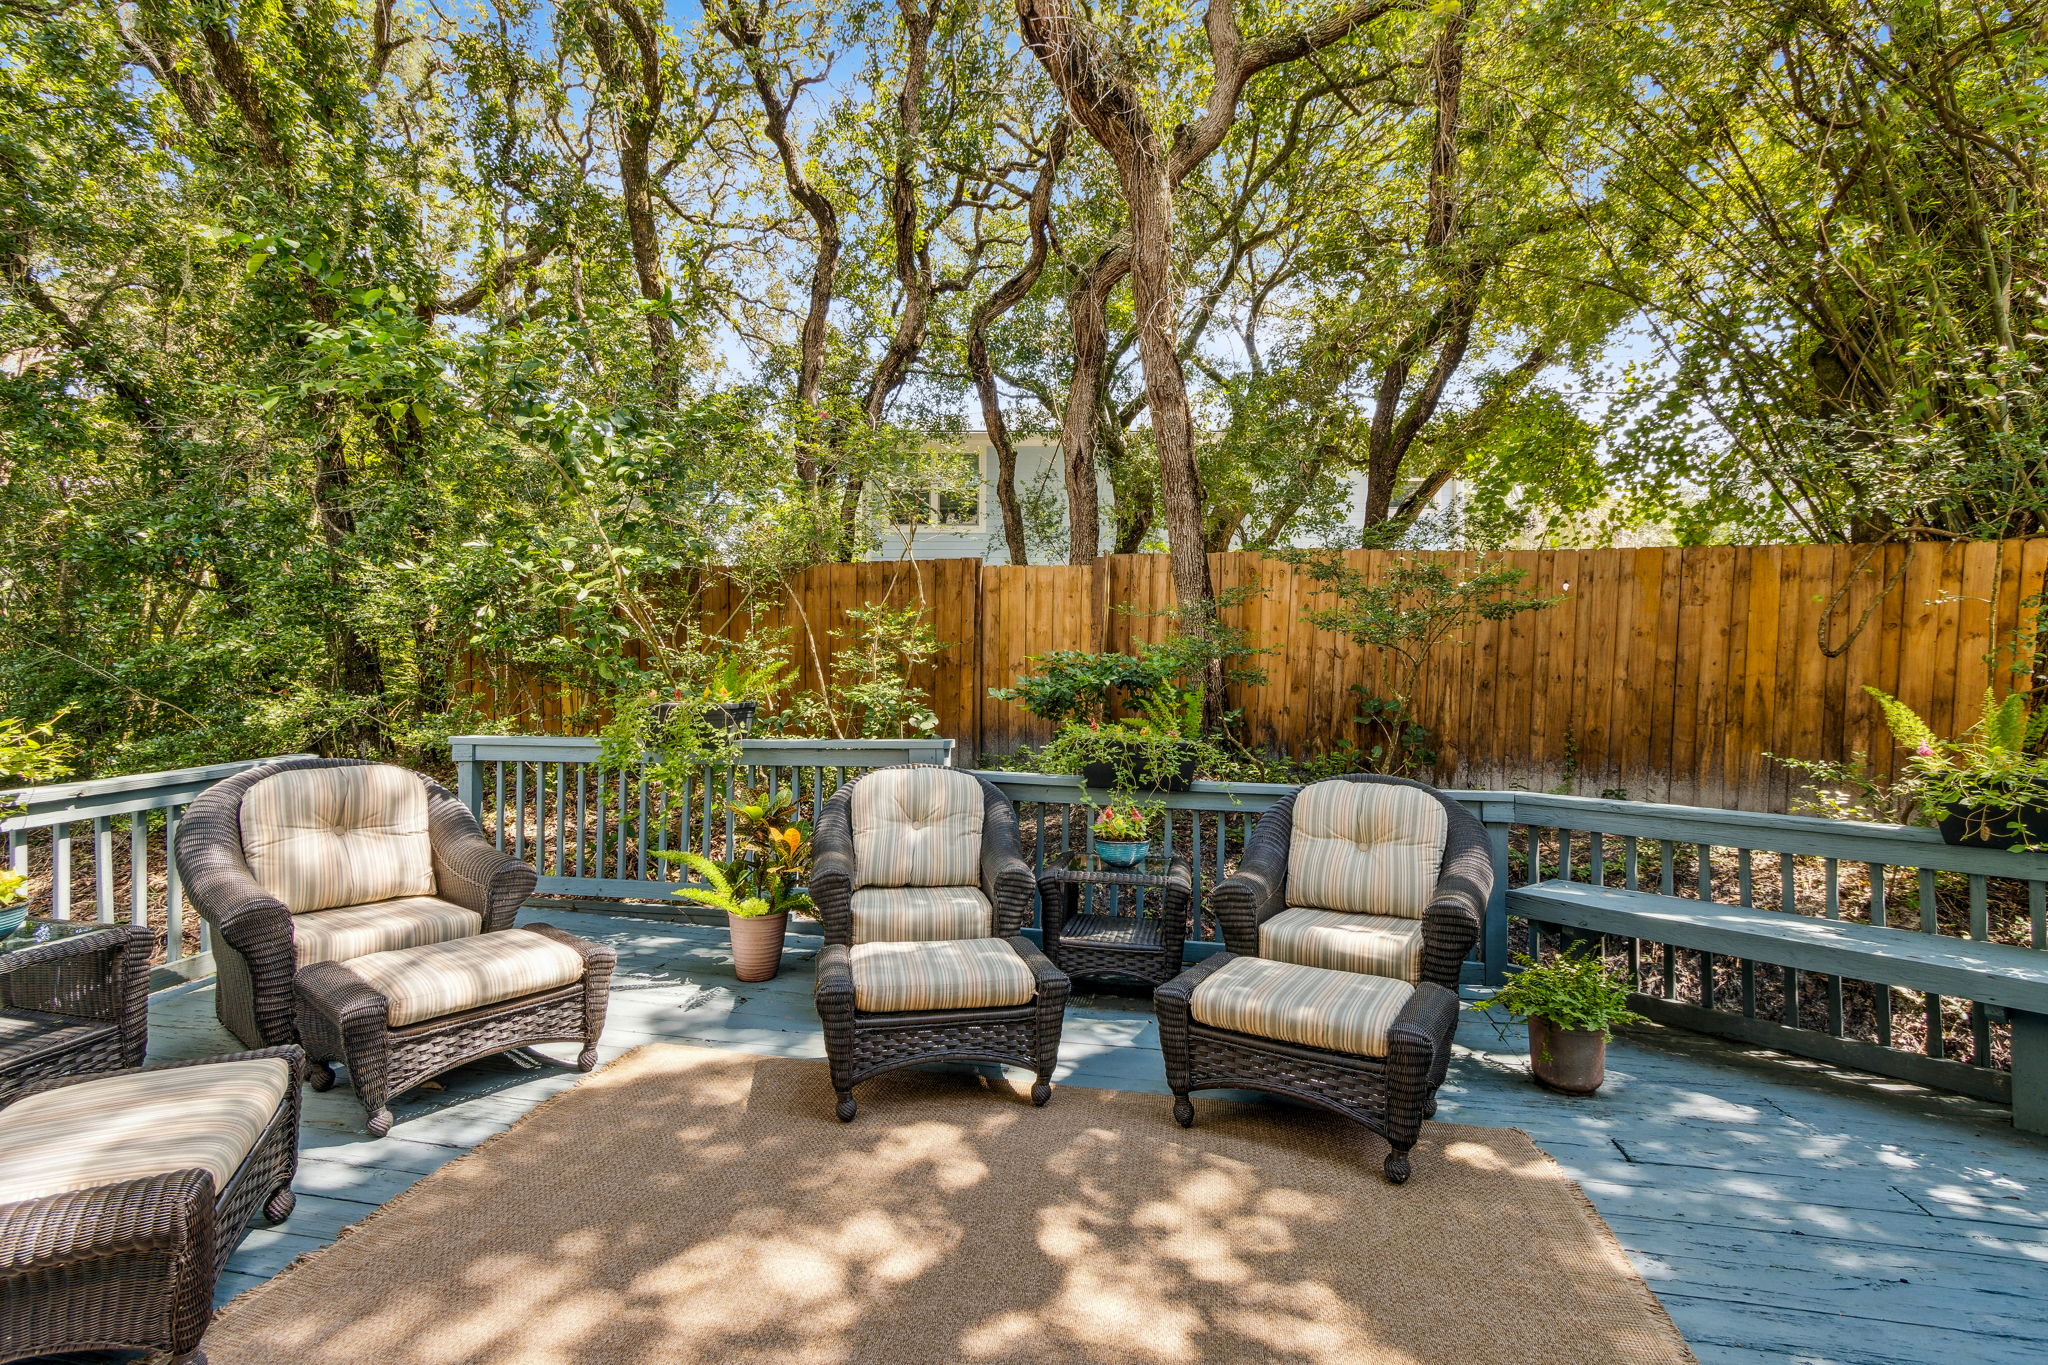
(1088, 310)
(638, 89)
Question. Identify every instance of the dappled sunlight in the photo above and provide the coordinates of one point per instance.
(693, 1207)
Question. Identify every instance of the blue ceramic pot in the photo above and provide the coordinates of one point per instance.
(1122, 852)
(12, 917)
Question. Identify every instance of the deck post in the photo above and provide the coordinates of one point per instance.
(2029, 1071)
(467, 788)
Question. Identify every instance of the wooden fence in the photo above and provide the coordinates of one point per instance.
(1668, 674)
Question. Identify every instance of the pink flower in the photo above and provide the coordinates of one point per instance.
(1924, 751)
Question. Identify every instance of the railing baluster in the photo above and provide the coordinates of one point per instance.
(561, 823)
(1930, 923)
(1980, 930)
(1631, 874)
(138, 869)
(1596, 857)
(2037, 912)
(60, 872)
(1788, 903)
(1667, 867)
(103, 869)
(519, 811)
(498, 804)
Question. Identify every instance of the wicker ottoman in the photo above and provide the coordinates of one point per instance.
(1368, 1047)
(397, 1018)
(888, 1005)
(122, 1195)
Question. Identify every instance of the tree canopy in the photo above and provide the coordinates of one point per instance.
(339, 343)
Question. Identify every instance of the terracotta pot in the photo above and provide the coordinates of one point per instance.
(1571, 1060)
(757, 944)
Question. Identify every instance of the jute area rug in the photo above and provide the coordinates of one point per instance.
(685, 1205)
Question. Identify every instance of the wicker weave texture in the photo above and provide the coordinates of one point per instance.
(253, 942)
(1147, 950)
(84, 1002)
(1257, 890)
(342, 1018)
(133, 1265)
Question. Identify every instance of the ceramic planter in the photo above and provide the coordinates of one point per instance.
(1179, 779)
(1570, 1060)
(733, 717)
(12, 917)
(757, 944)
(1122, 852)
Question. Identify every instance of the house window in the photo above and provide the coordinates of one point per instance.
(957, 504)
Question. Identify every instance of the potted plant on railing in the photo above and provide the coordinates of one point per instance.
(1122, 835)
(1573, 1001)
(1160, 749)
(1988, 789)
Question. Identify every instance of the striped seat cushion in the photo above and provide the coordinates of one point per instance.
(440, 979)
(316, 838)
(1378, 945)
(139, 1124)
(907, 914)
(1369, 847)
(1313, 1006)
(357, 930)
(971, 973)
(917, 827)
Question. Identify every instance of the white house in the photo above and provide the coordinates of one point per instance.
(949, 524)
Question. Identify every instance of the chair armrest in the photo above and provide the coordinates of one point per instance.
(1457, 907)
(1257, 890)
(254, 923)
(1053, 985)
(1005, 877)
(1171, 1003)
(1177, 901)
(1052, 905)
(832, 866)
(833, 989)
(171, 1214)
(469, 870)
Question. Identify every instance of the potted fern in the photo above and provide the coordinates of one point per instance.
(1572, 1002)
(1988, 789)
(756, 910)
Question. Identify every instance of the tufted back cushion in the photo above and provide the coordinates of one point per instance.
(1370, 848)
(917, 827)
(316, 838)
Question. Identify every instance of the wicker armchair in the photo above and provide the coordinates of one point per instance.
(421, 872)
(994, 871)
(1319, 896)
(923, 890)
(123, 1194)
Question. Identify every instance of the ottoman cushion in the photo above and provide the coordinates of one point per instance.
(1312, 1006)
(906, 914)
(140, 1124)
(962, 974)
(1378, 945)
(440, 979)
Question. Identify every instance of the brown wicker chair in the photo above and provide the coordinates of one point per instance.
(965, 985)
(461, 885)
(132, 1263)
(998, 875)
(1424, 933)
(76, 1004)
(1387, 1084)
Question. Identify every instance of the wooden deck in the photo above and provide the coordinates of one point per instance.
(1781, 1211)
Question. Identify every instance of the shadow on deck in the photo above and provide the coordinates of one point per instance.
(1782, 1211)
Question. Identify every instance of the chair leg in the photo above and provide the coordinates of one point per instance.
(1183, 1109)
(1397, 1166)
(377, 1120)
(847, 1109)
(320, 1075)
(278, 1207)
(586, 1060)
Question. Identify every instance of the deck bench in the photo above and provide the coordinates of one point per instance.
(2010, 978)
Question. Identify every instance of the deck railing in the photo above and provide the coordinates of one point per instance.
(593, 831)
(121, 868)
(99, 848)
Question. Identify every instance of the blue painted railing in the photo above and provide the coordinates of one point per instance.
(536, 794)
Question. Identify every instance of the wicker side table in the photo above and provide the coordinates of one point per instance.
(74, 998)
(1143, 945)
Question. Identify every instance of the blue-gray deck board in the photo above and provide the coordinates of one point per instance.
(1781, 1211)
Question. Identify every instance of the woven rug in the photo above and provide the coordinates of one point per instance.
(685, 1205)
